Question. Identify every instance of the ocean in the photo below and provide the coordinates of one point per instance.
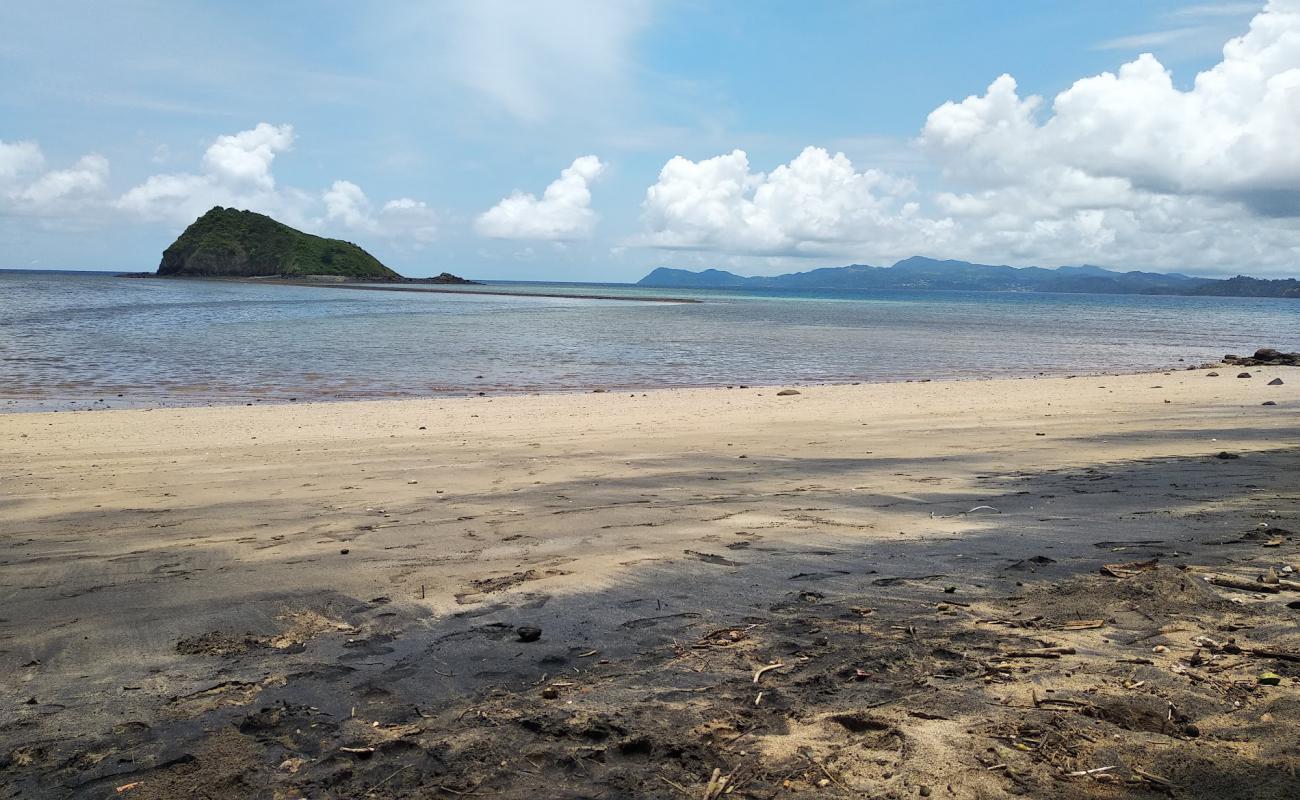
(94, 340)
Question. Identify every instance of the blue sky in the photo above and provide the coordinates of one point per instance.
(760, 137)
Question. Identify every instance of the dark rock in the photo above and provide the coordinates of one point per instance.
(1275, 382)
(550, 693)
(1225, 455)
(1211, 374)
(527, 633)
(344, 551)
(1243, 374)
(1268, 403)
(1265, 356)
(787, 392)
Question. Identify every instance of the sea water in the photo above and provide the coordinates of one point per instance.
(91, 340)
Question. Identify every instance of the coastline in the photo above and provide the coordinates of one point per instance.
(225, 576)
(407, 286)
(304, 397)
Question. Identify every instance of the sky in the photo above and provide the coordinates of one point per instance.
(594, 141)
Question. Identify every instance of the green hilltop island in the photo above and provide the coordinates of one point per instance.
(229, 243)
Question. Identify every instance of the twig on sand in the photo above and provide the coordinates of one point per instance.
(964, 513)
(1153, 778)
(676, 786)
(758, 673)
(1041, 652)
(717, 784)
(389, 778)
(1081, 773)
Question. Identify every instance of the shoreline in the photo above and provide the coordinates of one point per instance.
(338, 587)
(487, 393)
(377, 286)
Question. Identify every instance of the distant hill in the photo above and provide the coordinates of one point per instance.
(928, 273)
(226, 242)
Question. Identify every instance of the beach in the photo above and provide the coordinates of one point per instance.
(323, 599)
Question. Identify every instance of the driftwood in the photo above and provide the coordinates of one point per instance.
(1243, 584)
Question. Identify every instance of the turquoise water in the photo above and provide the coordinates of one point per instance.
(72, 340)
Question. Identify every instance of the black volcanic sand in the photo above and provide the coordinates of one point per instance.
(900, 675)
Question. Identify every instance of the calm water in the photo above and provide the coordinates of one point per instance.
(69, 340)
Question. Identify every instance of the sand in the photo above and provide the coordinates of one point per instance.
(322, 600)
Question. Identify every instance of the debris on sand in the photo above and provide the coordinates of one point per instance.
(1129, 569)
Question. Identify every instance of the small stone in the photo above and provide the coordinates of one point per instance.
(527, 633)
(1269, 678)
(1211, 374)
(950, 590)
(1225, 455)
(924, 791)
(1191, 731)
(1268, 403)
(550, 693)
(1276, 382)
(823, 783)
(1243, 375)
(599, 391)
(423, 428)
(787, 392)
(344, 551)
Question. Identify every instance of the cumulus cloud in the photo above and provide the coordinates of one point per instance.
(563, 212)
(237, 171)
(245, 157)
(347, 206)
(28, 188)
(1123, 168)
(816, 204)
(1232, 135)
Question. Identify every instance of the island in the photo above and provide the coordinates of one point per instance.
(232, 243)
(921, 273)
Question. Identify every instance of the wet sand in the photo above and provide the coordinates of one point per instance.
(323, 600)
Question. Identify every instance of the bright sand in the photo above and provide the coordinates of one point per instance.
(126, 532)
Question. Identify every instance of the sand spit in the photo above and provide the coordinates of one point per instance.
(958, 590)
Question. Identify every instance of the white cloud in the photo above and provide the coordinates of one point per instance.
(346, 205)
(245, 157)
(563, 212)
(817, 204)
(28, 188)
(237, 172)
(1122, 168)
(18, 159)
(1231, 136)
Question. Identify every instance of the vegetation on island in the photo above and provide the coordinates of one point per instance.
(226, 242)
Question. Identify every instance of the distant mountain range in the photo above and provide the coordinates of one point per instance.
(928, 273)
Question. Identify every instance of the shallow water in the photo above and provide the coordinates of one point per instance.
(71, 340)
